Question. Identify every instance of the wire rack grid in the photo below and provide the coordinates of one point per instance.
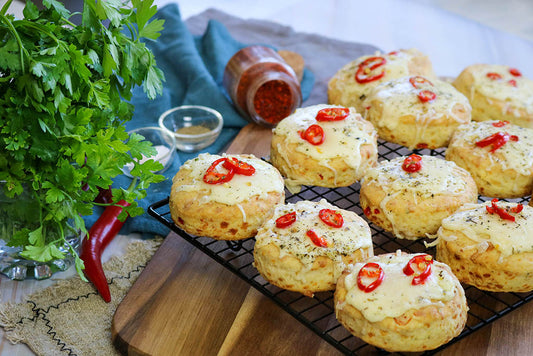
(318, 313)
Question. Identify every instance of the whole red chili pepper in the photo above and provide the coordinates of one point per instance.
(100, 235)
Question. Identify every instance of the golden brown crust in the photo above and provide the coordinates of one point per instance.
(191, 212)
(286, 257)
(301, 168)
(492, 106)
(344, 90)
(407, 214)
(485, 269)
(349, 149)
(400, 117)
(290, 273)
(488, 168)
(415, 330)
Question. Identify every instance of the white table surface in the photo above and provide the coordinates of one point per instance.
(451, 42)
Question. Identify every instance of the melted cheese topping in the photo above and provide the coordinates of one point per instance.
(396, 295)
(513, 155)
(400, 98)
(478, 225)
(240, 188)
(520, 96)
(436, 177)
(292, 240)
(343, 138)
(397, 66)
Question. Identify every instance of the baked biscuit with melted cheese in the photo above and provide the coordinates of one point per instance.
(498, 155)
(345, 90)
(230, 210)
(349, 148)
(417, 112)
(497, 92)
(289, 257)
(397, 315)
(412, 204)
(489, 246)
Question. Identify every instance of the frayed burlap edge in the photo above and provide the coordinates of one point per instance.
(70, 318)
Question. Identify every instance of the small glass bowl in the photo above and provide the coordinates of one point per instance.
(162, 141)
(194, 127)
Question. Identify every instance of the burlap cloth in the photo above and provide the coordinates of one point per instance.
(70, 318)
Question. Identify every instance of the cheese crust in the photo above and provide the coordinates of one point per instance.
(420, 317)
(348, 150)
(489, 252)
(507, 172)
(399, 116)
(497, 99)
(344, 90)
(411, 205)
(228, 211)
(287, 257)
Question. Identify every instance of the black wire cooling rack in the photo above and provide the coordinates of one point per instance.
(318, 313)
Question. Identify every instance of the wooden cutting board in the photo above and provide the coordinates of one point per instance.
(185, 303)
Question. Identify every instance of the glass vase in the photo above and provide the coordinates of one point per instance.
(19, 212)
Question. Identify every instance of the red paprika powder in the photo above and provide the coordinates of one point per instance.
(273, 101)
(262, 86)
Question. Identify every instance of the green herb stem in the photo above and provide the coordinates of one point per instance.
(15, 34)
(5, 7)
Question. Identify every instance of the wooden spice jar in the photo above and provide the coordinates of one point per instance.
(262, 86)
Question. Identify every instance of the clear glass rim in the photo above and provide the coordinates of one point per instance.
(214, 112)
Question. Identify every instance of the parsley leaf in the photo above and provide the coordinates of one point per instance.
(63, 99)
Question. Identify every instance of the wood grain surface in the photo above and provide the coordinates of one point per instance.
(184, 303)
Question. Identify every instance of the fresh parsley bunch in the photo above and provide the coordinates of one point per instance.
(64, 92)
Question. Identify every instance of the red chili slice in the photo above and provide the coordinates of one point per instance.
(496, 140)
(213, 176)
(314, 134)
(517, 209)
(370, 276)
(365, 73)
(286, 220)
(494, 76)
(500, 123)
(416, 80)
(420, 267)
(319, 241)
(239, 166)
(332, 114)
(515, 72)
(426, 95)
(512, 82)
(393, 53)
(493, 208)
(331, 217)
(412, 163)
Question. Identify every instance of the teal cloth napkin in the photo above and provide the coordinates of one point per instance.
(193, 68)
